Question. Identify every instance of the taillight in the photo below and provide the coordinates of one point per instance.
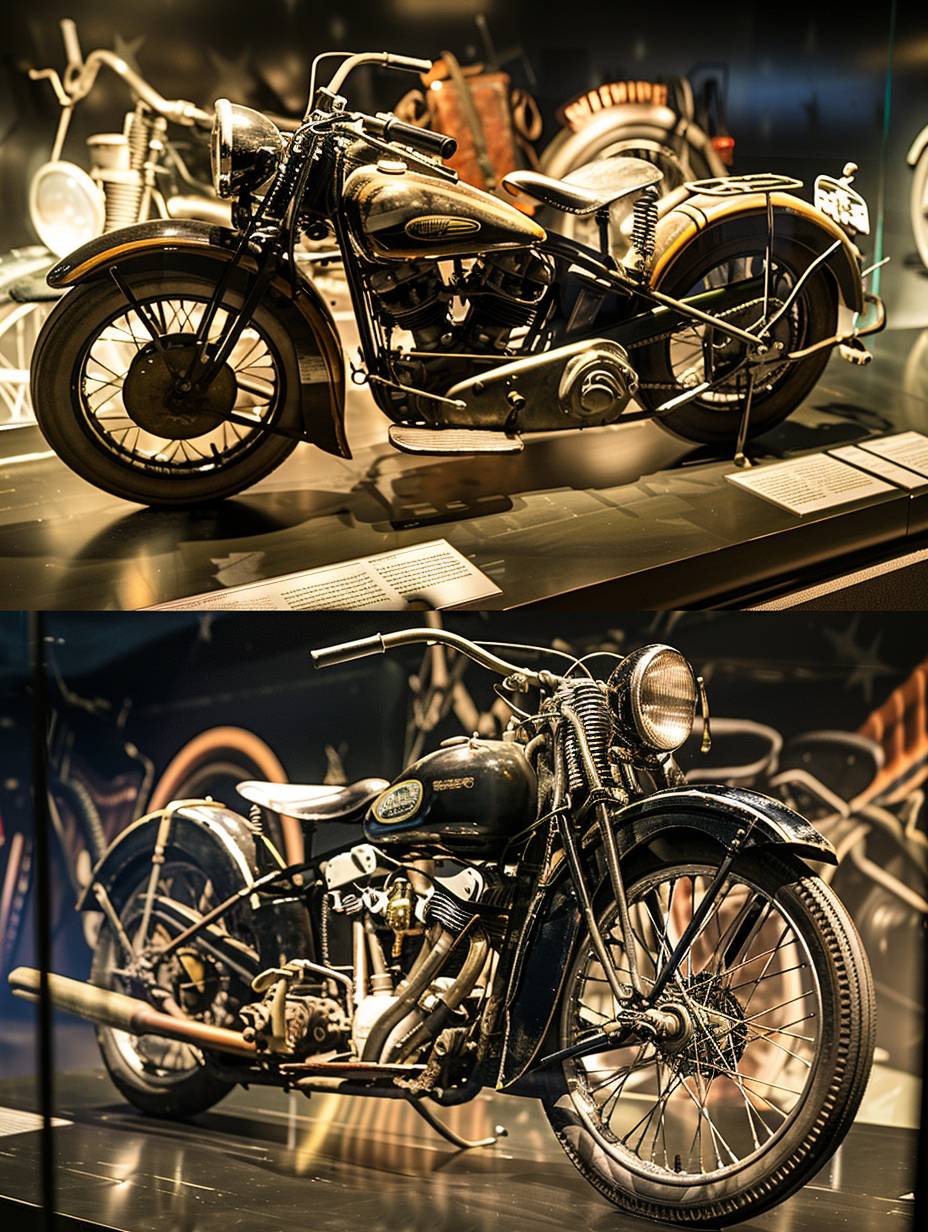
(725, 148)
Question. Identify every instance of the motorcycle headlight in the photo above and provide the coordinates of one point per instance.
(66, 207)
(653, 697)
(245, 148)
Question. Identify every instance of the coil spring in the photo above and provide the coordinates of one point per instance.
(324, 930)
(587, 699)
(256, 817)
(644, 227)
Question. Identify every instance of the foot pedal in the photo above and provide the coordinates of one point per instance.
(452, 440)
(854, 352)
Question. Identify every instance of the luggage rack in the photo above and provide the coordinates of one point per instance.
(738, 185)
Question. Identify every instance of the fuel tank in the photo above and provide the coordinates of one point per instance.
(467, 798)
(398, 215)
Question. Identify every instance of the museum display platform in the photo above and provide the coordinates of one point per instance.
(262, 1159)
(625, 516)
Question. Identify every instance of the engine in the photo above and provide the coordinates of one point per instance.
(503, 292)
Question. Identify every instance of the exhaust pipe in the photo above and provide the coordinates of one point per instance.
(115, 1009)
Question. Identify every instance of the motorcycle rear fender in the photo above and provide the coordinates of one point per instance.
(803, 223)
(206, 247)
(549, 937)
(217, 839)
(918, 147)
(641, 120)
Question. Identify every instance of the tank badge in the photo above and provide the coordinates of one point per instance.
(440, 227)
(461, 784)
(398, 803)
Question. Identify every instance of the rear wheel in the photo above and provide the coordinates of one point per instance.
(724, 255)
(761, 1085)
(105, 392)
(168, 1078)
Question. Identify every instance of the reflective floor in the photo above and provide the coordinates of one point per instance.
(628, 506)
(262, 1159)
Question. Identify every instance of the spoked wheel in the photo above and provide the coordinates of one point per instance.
(107, 387)
(919, 205)
(725, 255)
(166, 1077)
(746, 1101)
(20, 325)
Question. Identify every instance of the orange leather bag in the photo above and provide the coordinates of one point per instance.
(493, 124)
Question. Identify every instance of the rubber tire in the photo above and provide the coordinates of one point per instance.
(172, 1100)
(58, 353)
(919, 202)
(848, 998)
(695, 421)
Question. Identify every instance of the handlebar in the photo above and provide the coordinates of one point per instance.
(423, 139)
(379, 643)
(407, 64)
(80, 75)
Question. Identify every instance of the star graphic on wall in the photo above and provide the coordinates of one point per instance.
(234, 79)
(866, 665)
(128, 49)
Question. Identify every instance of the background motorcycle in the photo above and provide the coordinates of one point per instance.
(917, 159)
(136, 174)
(189, 360)
(556, 914)
(678, 125)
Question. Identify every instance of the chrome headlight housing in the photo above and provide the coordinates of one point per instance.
(66, 207)
(245, 148)
(653, 695)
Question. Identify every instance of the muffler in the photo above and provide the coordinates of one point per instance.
(115, 1009)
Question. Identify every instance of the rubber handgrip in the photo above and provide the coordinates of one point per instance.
(344, 652)
(423, 139)
(72, 46)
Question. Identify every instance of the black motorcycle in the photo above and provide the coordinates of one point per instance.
(554, 914)
(189, 359)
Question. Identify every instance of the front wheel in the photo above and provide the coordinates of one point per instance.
(800, 313)
(105, 390)
(762, 1082)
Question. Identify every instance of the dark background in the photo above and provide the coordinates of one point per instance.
(807, 80)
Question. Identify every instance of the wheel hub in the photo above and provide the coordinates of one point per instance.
(713, 1032)
(153, 398)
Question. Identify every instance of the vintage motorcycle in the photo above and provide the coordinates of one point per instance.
(553, 914)
(144, 171)
(188, 360)
(917, 159)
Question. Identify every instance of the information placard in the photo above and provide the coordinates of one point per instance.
(431, 575)
(875, 464)
(908, 449)
(809, 484)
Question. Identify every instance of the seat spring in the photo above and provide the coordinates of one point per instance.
(256, 817)
(644, 228)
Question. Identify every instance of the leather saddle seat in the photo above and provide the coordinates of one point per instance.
(314, 804)
(589, 189)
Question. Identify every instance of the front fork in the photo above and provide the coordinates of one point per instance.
(640, 1017)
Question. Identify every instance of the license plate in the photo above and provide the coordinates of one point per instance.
(842, 204)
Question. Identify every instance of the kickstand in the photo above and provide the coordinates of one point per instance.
(741, 459)
(464, 1144)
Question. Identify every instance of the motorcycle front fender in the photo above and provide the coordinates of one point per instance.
(552, 929)
(918, 147)
(220, 842)
(793, 217)
(648, 121)
(205, 248)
